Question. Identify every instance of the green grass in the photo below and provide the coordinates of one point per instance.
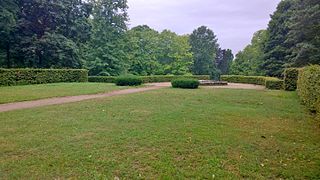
(33, 92)
(164, 134)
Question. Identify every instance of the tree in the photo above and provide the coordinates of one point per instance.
(304, 34)
(276, 49)
(142, 51)
(250, 60)
(224, 60)
(8, 22)
(174, 53)
(204, 47)
(105, 51)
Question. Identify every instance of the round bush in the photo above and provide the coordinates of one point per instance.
(185, 83)
(128, 81)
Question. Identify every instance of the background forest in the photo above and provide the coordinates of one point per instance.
(94, 34)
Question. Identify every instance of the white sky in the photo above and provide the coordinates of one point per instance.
(233, 21)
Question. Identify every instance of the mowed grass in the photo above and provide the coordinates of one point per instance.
(33, 92)
(164, 134)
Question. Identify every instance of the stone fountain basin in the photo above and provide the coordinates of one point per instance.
(212, 83)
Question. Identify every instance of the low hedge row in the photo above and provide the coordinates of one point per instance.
(290, 79)
(274, 83)
(11, 77)
(269, 82)
(148, 79)
(128, 81)
(185, 83)
(258, 80)
(309, 87)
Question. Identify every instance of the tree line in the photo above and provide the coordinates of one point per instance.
(292, 39)
(93, 34)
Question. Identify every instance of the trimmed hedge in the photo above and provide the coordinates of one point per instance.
(290, 79)
(309, 87)
(274, 83)
(102, 79)
(185, 83)
(11, 77)
(147, 79)
(258, 80)
(128, 81)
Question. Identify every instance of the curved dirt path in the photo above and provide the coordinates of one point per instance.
(69, 99)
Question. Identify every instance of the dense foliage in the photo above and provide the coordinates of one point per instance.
(292, 39)
(185, 83)
(9, 77)
(93, 34)
(248, 61)
(274, 83)
(309, 87)
(290, 79)
(128, 80)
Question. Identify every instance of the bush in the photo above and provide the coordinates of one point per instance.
(128, 81)
(148, 79)
(308, 86)
(185, 83)
(274, 83)
(290, 79)
(11, 77)
(258, 80)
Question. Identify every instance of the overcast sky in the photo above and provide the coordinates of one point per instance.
(233, 21)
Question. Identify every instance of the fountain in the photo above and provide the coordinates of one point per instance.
(215, 76)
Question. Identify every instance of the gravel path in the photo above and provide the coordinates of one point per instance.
(69, 99)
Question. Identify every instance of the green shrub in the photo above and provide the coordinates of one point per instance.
(290, 79)
(308, 86)
(258, 80)
(128, 80)
(274, 83)
(102, 79)
(185, 83)
(148, 79)
(11, 77)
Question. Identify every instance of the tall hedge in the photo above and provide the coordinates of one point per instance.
(274, 83)
(148, 79)
(11, 77)
(309, 87)
(290, 79)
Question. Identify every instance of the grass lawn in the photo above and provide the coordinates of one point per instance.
(33, 92)
(167, 134)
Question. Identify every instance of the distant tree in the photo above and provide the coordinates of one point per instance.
(204, 46)
(250, 60)
(224, 60)
(105, 51)
(304, 34)
(8, 21)
(174, 53)
(142, 51)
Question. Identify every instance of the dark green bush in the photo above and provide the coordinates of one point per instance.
(274, 83)
(128, 80)
(290, 79)
(148, 79)
(258, 80)
(11, 77)
(309, 87)
(185, 83)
